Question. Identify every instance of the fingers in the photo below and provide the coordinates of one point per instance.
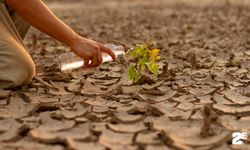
(99, 58)
(107, 50)
(86, 62)
(94, 62)
(96, 59)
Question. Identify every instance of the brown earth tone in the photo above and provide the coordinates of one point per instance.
(202, 96)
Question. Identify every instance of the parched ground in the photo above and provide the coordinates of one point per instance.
(202, 96)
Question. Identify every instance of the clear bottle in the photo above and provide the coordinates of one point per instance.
(70, 61)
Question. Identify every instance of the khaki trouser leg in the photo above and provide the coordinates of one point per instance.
(16, 65)
(21, 25)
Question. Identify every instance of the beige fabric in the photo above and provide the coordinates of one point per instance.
(16, 65)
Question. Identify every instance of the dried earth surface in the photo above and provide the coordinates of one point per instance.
(201, 97)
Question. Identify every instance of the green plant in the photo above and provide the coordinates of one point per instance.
(144, 63)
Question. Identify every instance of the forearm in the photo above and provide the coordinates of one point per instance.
(38, 15)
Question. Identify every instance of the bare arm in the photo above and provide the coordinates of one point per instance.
(38, 15)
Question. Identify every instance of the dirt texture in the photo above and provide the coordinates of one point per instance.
(201, 97)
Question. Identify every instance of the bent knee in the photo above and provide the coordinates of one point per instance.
(16, 69)
(17, 76)
(25, 72)
(29, 72)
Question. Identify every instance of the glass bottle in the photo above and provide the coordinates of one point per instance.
(70, 61)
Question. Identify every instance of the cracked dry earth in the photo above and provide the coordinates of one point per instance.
(201, 97)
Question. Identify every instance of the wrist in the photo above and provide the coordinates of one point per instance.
(73, 39)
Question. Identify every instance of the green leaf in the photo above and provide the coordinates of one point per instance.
(133, 54)
(153, 68)
(144, 59)
(140, 50)
(132, 73)
(146, 62)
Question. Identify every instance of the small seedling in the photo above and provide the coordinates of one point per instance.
(143, 65)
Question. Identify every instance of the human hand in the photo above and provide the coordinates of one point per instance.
(90, 50)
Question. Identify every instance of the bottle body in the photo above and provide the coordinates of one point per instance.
(70, 61)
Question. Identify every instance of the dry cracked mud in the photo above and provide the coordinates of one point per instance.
(201, 97)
